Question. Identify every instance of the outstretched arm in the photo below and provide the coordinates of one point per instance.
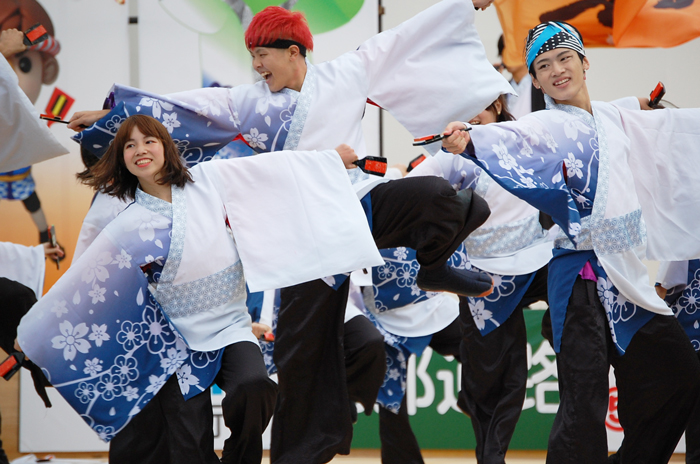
(81, 120)
(407, 74)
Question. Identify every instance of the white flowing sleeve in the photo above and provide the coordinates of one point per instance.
(673, 275)
(665, 162)
(432, 69)
(459, 171)
(103, 210)
(294, 216)
(26, 139)
(213, 102)
(629, 103)
(23, 264)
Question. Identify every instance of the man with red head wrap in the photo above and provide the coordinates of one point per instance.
(301, 106)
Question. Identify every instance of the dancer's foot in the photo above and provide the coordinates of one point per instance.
(459, 281)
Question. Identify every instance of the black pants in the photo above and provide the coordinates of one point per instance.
(399, 444)
(172, 430)
(248, 404)
(168, 430)
(312, 417)
(494, 375)
(658, 382)
(365, 361)
(692, 434)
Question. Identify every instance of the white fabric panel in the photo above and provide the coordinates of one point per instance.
(26, 139)
(665, 161)
(629, 274)
(432, 69)
(673, 275)
(525, 261)
(103, 210)
(311, 191)
(23, 264)
(420, 319)
(266, 312)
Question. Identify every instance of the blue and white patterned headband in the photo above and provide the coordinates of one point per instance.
(551, 35)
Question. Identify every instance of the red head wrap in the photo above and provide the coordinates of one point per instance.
(275, 23)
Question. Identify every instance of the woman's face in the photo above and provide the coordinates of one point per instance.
(144, 157)
(488, 116)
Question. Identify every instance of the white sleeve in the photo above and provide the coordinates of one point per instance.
(673, 275)
(664, 159)
(432, 69)
(304, 221)
(629, 103)
(103, 210)
(23, 264)
(26, 139)
(457, 170)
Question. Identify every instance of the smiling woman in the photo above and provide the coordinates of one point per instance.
(142, 155)
(169, 284)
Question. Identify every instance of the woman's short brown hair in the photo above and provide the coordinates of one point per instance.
(110, 175)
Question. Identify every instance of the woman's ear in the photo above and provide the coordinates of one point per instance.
(50, 70)
(498, 107)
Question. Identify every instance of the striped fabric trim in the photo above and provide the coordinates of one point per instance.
(50, 46)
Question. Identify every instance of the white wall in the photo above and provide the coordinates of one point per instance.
(614, 72)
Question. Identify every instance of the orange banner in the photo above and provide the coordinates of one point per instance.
(602, 23)
(656, 23)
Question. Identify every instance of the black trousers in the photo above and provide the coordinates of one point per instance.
(658, 382)
(172, 430)
(365, 361)
(399, 444)
(168, 430)
(312, 417)
(692, 434)
(494, 375)
(249, 402)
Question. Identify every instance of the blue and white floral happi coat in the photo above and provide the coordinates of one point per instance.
(109, 343)
(686, 306)
(559, 162)
(395, 288)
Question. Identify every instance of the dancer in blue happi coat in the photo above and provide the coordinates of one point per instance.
(145, 308)
(615, 181)
(514, 248)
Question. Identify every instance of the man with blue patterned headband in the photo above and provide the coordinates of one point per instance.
(616, 181)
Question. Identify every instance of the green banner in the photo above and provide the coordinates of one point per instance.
(433, 388)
